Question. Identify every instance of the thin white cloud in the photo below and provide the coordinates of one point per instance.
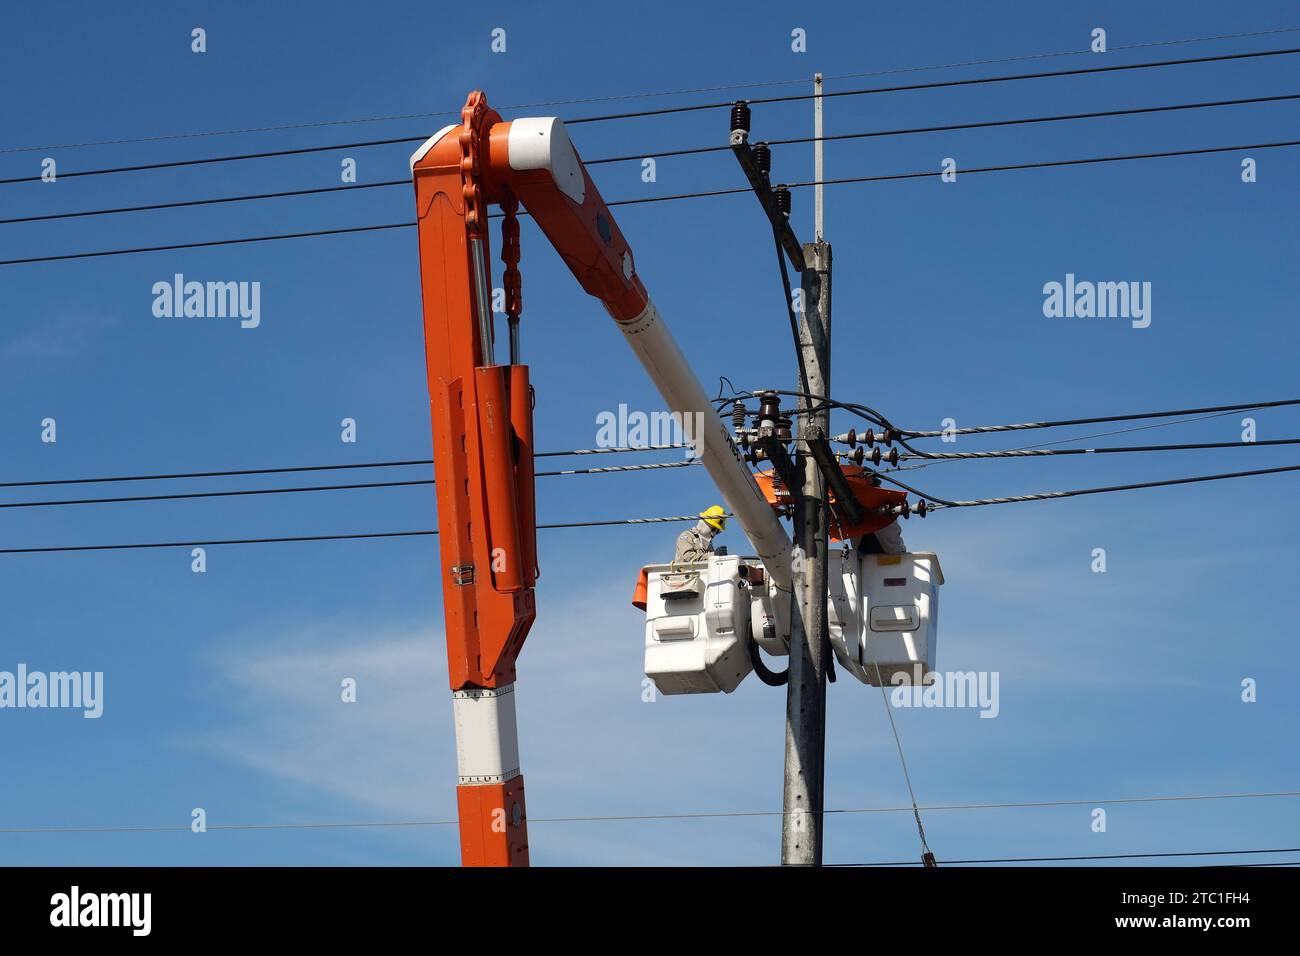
(64, 335)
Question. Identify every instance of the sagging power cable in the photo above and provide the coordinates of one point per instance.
(924, 174)
(986, 124)
(180, 204)
(1047, 452)
(244, 472)
(1064, 423)
(61, 549)
(939, 84)
(668, 815)
(649, 94)
(973, 81)
(935, 503)
(1169, 423)
(306, 489)
(208, 160)
(662, 154)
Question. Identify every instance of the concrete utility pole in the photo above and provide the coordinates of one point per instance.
(805, 719)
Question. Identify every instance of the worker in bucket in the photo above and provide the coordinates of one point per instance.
(696, 544)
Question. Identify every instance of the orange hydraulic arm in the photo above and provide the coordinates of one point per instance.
(482, 425)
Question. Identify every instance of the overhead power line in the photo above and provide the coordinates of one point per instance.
(1088, 857)
(1047, 164)
(1167, 423)
(183, 203)
(668, 198)
(614, 450)
(657, 154)
(1047, 452)
(646, 95)
(243, 472)
(937, 503)
(215, 242)
(938, 84)
(985, 124)
(355, 486)
(178, 163)
(59, 549)
(642, 817)
(1098, 420)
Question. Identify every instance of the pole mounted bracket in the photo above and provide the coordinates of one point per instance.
(845, 501)
(775, 452)
(756, 163)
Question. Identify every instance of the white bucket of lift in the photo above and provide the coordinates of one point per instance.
(697, 626)
(884, 615)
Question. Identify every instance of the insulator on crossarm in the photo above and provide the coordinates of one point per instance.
(740, 117)
(738, 414)
(849, 438)
(782, 195)
(763, 158)
(919, 508)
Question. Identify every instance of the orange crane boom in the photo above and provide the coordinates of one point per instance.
(481, 414)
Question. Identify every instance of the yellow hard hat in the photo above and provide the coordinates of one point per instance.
(715, 517)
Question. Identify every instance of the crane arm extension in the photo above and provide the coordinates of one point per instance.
(535, 159)
(481, 414)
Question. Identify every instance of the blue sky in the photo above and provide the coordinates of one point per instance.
(222, 688)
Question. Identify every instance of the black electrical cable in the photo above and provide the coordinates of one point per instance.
(987, 124)
(768, 676)
(174, 164)
(789, 308)
(237, 472)
(241, 492)
(647, 95)
(1047, 452)
(59, 549)
(865, 411)
(938, 503)
(1066, 422)
(183, 496)
(203, 202)
(1046, 164)
(1100, 856)
(243, 472)
(657, 199)
(203, 161)
(326, 190)
(209, 243)
(940, 84)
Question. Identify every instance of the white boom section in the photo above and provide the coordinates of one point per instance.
(487, 735)
(655, 346)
